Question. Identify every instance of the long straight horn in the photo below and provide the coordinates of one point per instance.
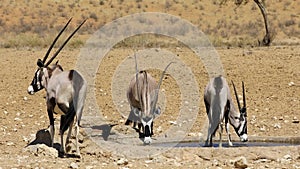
(236, 96)
(244, 96)
(159, 83)
(136, 79)
(61, 47)
(53, 43)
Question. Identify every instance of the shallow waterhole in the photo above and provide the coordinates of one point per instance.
(258, 142)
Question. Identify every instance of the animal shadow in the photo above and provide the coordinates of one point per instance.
(106, 128)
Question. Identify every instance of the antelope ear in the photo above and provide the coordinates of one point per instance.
(157, 112)
(137, 112)
(40, 63)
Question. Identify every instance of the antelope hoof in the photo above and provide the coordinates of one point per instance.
(207, 144)
(244, 138)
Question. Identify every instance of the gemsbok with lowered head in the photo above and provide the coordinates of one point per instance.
(65, 90)
(219, 105)
(142, 96)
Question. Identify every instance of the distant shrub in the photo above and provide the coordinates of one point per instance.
(94, 16)
(289, 22)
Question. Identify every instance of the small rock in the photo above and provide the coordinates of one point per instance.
(263, 128)
(159, 129)
(240, 162)
(263, 160)
(5, 112)
(148, 161)
(295, 120)
(277, 126)
(291, 84)
(17, 119)
(74, 165)
(287, 157)
(122, 161)
(10, 143)
(25, 98)
(173, 122)
(215, 162)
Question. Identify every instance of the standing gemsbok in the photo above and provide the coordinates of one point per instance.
(65, 90)
(142, 96)
(219, 105)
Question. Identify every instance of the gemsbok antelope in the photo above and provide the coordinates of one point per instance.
(219, 105)
(142, 96)
(64, 89)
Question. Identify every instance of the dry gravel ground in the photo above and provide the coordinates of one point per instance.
(271, 76)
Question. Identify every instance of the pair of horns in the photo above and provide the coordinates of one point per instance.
(237, 99)
(62, 46)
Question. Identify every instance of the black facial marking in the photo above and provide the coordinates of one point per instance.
(147, 131)
(37, 79)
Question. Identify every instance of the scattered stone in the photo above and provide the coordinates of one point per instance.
(122, 161)
(5, 112)
(241, 162)
(263, 128)
(41, 150)
(277, 126)
(291, 84)
(10, 143)
(74, 165)
(215, 162)
(25, 98)
(295, 120)
(287, 157)
(148, 161)
(159, 129)
(17, 119)
(173, 122)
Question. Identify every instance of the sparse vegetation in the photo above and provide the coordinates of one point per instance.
(223, 25)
